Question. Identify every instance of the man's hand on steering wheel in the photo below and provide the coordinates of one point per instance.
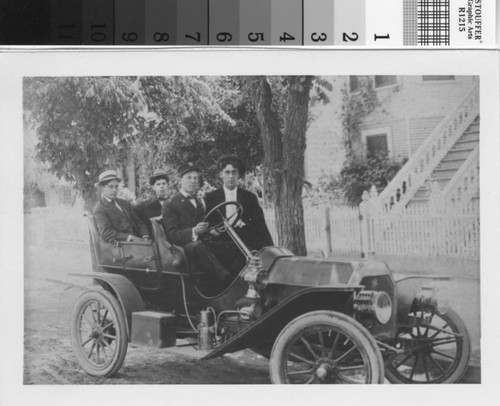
(220, 228)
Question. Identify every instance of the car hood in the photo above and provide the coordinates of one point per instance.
(304, 271)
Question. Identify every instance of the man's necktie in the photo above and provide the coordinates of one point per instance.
(193, 200)
(117, 205)
(230, 208)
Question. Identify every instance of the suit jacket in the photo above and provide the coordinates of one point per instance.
(115, 225)
(179, 216)
(148, 209)
(254, 233)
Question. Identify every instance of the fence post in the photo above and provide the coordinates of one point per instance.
(363, 224)
(328, 230)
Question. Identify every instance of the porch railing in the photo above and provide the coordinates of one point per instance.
(421, 164)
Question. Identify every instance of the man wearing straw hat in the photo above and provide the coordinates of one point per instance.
(153, 207)
(115, 219)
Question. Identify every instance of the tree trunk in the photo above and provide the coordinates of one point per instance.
(284, 156)
(88, 191)
(290, 214)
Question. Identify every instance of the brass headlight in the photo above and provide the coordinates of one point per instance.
(375, 303)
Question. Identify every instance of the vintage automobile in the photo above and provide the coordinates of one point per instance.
(318, 320)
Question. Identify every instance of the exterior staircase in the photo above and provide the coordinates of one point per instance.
(445, 168)
(443, 174)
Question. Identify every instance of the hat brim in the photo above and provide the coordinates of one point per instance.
(192, 169)
(97, 184)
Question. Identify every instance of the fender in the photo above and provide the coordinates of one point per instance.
(125, 292)
(266, 328)
(408, 287)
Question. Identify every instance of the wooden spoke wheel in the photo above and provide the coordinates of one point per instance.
(325, 347)
(436, 350)
(99, 333)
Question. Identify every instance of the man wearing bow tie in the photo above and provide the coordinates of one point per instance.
(182, 218)
(115, 219)
(251, 228)
(153, 208)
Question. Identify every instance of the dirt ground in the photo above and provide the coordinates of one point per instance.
(48, 358)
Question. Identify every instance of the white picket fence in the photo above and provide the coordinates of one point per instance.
(419, 231)
(413, 231)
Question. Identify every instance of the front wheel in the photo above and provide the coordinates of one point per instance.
(99, 333)
(325, 347)
(436, 349)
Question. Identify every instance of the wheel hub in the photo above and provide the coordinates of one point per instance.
(96, 333)
(323, 371)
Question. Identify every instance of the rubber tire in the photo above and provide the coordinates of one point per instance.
(458, 326)
(347, 325)
(108, 301)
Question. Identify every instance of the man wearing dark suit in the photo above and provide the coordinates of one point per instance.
(251, 228)
(182, 218)
(153, 207)
(115, 219)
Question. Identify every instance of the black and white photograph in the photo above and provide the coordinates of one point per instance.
(254, 226)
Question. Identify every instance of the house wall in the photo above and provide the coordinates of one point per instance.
(411, 109)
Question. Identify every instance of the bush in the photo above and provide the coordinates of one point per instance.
(358, 175)
(33, 196)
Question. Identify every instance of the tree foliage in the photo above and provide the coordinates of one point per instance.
(355, 106)
(195, 120)
(83, 124)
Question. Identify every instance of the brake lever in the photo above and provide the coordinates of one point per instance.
(123, 259)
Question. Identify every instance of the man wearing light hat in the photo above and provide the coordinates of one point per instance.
(182, 218)
(115, 219)
(152, 208)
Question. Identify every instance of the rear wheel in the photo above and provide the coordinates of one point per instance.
(437, 350)
(99, 333)
(325, 347)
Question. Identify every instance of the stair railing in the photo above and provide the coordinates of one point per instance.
(465, 183)
(421, 164)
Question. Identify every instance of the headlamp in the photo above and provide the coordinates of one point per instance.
(375, 303)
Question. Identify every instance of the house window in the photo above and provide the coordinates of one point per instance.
(66, 195)
(377, 141)
(354, 83)
(430, 78)
(376, 144)
(386, 80)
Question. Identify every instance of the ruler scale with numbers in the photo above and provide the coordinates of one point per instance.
(333, 23)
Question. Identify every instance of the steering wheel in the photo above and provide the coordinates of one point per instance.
(232, 219)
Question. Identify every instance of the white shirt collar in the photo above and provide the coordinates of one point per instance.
(185, 194)
(230, 194)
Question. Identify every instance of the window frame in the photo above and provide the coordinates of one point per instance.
(387, 131)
